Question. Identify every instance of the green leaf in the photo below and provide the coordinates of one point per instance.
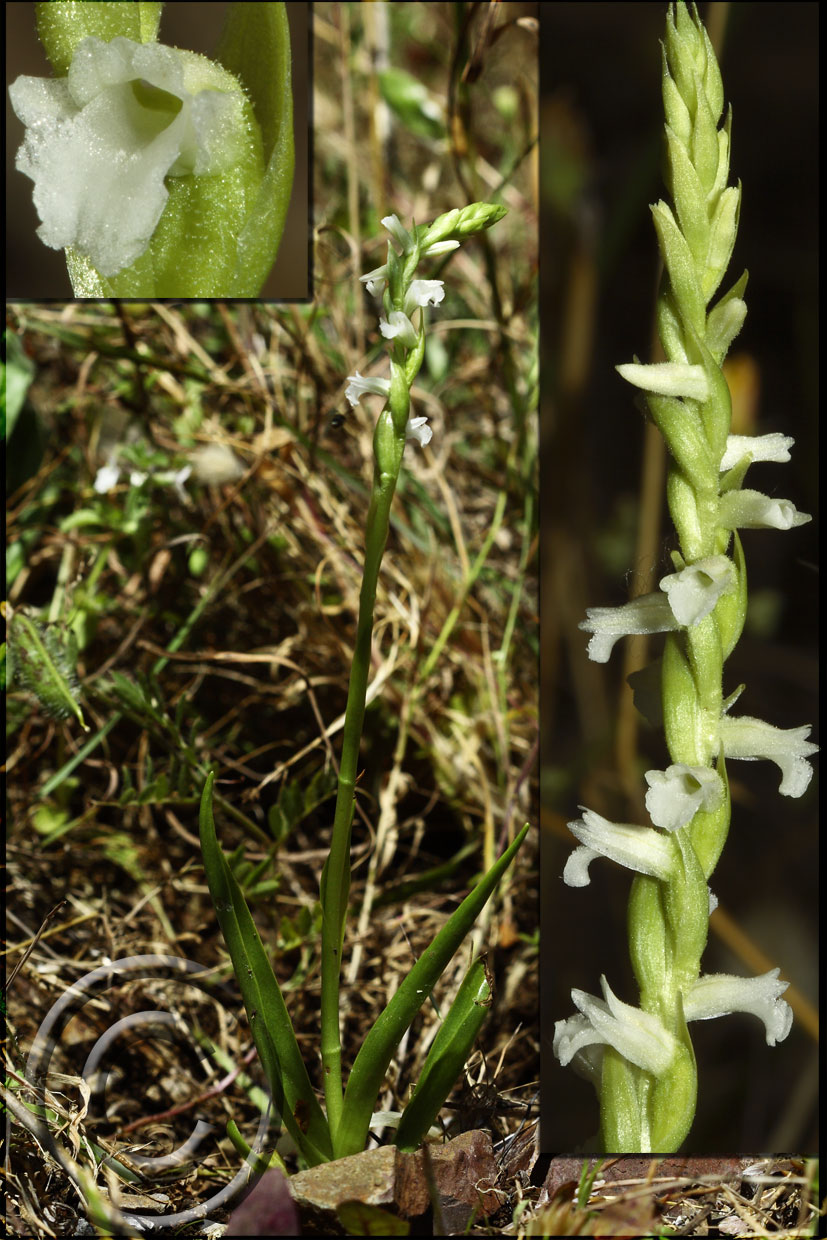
(372, 1060)
(62, 24)
(270, 1023)
(449, 1051)
(43, 658)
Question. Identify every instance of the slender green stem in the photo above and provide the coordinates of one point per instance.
(336, 874)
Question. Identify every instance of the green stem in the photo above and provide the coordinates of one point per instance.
(335, 885)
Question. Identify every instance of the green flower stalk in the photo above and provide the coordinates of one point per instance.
(344, 1128)
(641, 1058)
(161, 173)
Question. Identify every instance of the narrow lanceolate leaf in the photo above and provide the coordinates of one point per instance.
(375, 1055)
(270, 1022)
(42, 659)
(449, 1051)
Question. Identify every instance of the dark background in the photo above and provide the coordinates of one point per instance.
(35, 272)
(601, 127)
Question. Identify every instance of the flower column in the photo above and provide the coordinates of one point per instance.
(641, 1059)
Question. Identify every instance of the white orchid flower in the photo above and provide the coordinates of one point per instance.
(424, 293)
(694, 591)
(638, 848)
(718, 994)
(773, 447)
(749, 739)
(753, 510)
(419, 430)
(101, 141)
(650, 613)
(398, 326)
(676, 794)
(359, 386)
(639, 1036)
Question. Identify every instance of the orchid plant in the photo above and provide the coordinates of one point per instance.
(160, 172)
(640, 1058)
(342, 1127)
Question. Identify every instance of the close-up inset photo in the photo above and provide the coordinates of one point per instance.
(157, 150)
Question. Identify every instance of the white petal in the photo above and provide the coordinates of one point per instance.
(718, 994)
(667, 378)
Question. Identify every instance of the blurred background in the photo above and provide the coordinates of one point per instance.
(601, 127)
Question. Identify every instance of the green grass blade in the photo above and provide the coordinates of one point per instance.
(375, 1055)
(446, 1058)
(270, 1022)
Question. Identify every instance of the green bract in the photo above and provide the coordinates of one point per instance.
(648, 1100)
(160, 172)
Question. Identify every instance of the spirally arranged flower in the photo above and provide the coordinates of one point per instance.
(640, 1058)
